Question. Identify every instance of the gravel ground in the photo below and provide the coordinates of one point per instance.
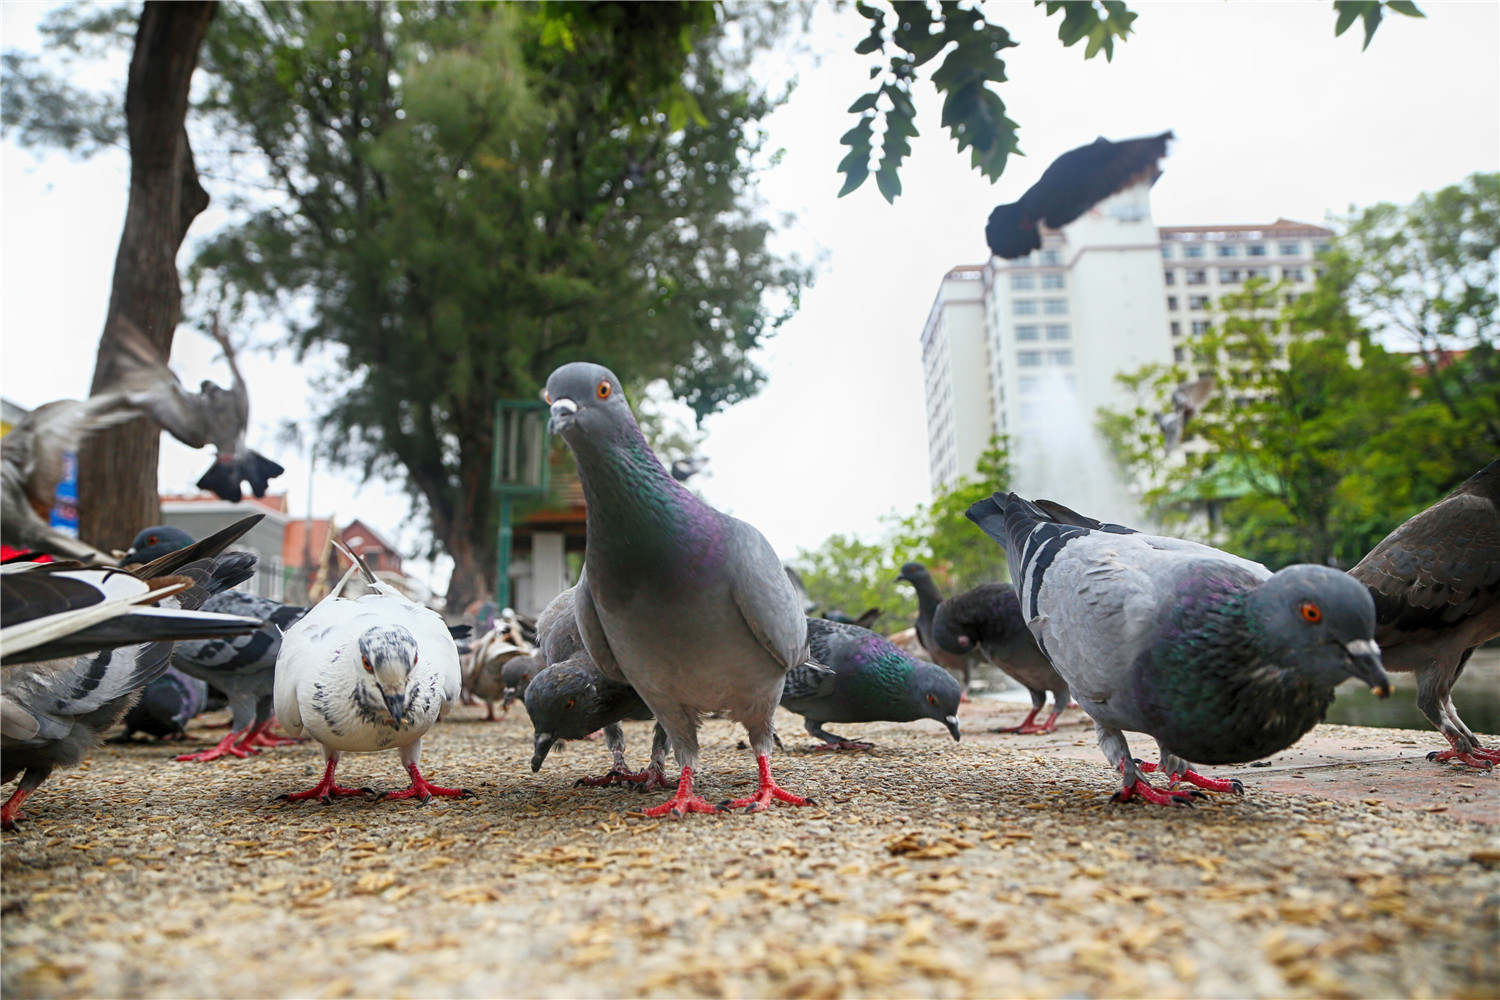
(930, 869)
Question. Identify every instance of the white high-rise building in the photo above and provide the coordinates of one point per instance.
(1108, 293)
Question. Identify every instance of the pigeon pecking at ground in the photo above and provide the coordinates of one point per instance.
(165, 708)
(243, 668)
(53, 712)
(366, 675)
(1074, 183)
(1436, 584)
(516, 676)
(928, 599)
(688, 605)
(987, 620)
(855, 675)
(1213, 655)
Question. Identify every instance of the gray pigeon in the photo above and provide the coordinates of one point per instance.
(1187, 400)
(32, 465)
(568, 699)
(987, 620)
(1217, 658)
(53, 712)
(1436, 584)
(244, 668)
(515, 676)
(928, 599)
(687, 605)
(166, 706)
(856, 675)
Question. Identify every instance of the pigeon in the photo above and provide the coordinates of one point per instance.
(243, 668)
(867, 618)
(32, 464)
(516, 676)
(928, 599)
(686, 604)
(166, 706)
(808, 605)
(1436, 584)
(1214, 656)
(485, 675)
(366, 675)
(53, 712)
(855, 675)
(987, 620)
(569, 699)
(213, 415)
(1074, 183)
(1188, 399)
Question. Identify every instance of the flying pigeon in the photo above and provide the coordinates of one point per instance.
(1213, 655)
(688, 605)
(1188, 400)
(1074, 183)
(987, 620)
(1436, 584)
(53, 712)
(32, 457)
(366, 675)
(243, 668)
(854, 675)
(213, 415)
(928, 599)
(165, 708)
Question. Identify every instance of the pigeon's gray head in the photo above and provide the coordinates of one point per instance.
(516, 676)
(387, 654)
(586, 399)
(155, 542)
(1323, 622)
(939, 694)
(912, 572)
(563, 703)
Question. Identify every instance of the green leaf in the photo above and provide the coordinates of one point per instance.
(1348, 12)
(865, 103)
(887, 181)
(1405, 7)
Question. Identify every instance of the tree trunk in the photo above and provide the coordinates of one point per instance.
(117, 468)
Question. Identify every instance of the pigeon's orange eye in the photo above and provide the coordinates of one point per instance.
(604, 389)
(932, 699)
(366, 661)
(1311, 612)
(569, 706)
(151, 540)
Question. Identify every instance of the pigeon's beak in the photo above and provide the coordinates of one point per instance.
(396, 703)
(952, 723)
(1364, 663)
(509, 698)
(563, 411)
(544, 743)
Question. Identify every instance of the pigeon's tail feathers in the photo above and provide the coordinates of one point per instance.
(214, 544)
(230, 570)
(223, 478)
(223, 481)
(364, 570)
(37, 632)
(1011, 232)
(1032, 538)
(1066, 515)
(259, 471)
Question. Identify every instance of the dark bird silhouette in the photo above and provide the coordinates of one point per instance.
(1074, 183)
(167, 705)
(928, 599)
(1436, 584)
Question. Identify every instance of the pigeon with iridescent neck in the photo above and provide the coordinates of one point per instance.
(687, 605)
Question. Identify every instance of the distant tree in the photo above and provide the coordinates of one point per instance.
(940, 534)
(848, 574)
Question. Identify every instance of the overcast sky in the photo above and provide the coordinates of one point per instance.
(1274, 117)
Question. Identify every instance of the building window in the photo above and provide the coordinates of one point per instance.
(1053, 279)
(1176, 328)
(1055, 307)
(1179, 355)
(1172, 302)
(1290, 249)
(1257, 272)
(1028, 332)
(1198, 302)
(1024, 307)
(1051, 258)
(1200, 327)
(1293, 274)
(1059, 357)
(1229, 250)
(1170, 277)
(1228, 276)
(1196, 277)
(1029, 359)
(1021, 282)
(1193, 250)
(1057, 331)
(1320, 248)
(1027, 383)
(1166, 251)
(1255, 250)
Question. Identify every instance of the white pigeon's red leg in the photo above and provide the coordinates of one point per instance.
(260, 735)
(325, 790)
(421, 788)
(227, 747)
(767, 793)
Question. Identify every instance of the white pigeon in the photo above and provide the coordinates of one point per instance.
(365, 675)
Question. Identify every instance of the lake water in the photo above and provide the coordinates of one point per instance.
(1476, 696)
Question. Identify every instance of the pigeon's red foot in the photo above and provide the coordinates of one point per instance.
(1029, 724)
(224, 748)
(11, 811)
(684, 802)
(1480, 757)
(421, 789)
(963, 698)
(324, 791)
(833, 746)
(648, 780)
(1194, 778)
(261, 736)
(1150, 794)
(767, 793)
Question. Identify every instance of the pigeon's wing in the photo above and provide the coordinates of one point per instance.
(810, 680)
(1081, 178)
(43, 698)
(765, 596)
(557, 634)
(595, 643)
(1439, 568)
(150, 386)
(37, 444)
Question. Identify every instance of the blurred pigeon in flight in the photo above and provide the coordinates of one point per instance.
(1213, 655)
(1188, 399)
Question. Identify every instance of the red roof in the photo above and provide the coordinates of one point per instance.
(271, 501)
